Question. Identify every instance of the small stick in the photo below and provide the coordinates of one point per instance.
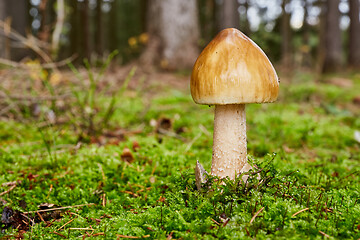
(215, 222)
(60, 208)
(132, 237)
(32, 221)
(104, 200)
(42, 219)
(324, 234)
(256, 214)
(226, 222)
(131, 193)
(66, 223)
(9, 190)
(85, 229)
(192, 142)
(98, 234)
(302, 210)
(204, 130)
(59, 234)
(7, 184)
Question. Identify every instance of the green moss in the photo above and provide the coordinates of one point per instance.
(316, 170)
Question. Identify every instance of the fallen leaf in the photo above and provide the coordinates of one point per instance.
(135, 146)
(356, 100)
(164, 124)
(127, 156)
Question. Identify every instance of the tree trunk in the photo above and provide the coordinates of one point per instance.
(44, 31)
(208, 23)
(85, 28)
(2, 37)
(354, 34)
(245, 26)
(113, 31)
(74, 39)
(18, 12)
(286, 36)
(173, 34)
(305, 50)
(333, 48)
(229, 16)
(99, 30)
(60, 18)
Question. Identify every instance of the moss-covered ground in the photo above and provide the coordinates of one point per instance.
(139, 182)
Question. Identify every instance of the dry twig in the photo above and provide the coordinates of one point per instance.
(60, 208)
(324, 234)
(30, 42)
(256, 214)
(302, 210)
(132, 237)
(66, 224)
(59, 234)
(7, 191)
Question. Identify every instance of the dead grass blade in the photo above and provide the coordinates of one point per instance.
(119, 236)
(256, 214)
(324, 234)
(59, 234)
(7, 191)
(302, 210)
(66, 224)
(60, 208)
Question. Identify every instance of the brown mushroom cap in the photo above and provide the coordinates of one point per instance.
(232, 69)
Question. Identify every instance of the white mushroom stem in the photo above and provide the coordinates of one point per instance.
(229, 147)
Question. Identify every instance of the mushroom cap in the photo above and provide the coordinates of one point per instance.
(232, 69)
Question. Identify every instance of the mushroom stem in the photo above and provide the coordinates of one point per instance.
(229, 147)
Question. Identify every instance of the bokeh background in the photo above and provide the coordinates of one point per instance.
(318, 35)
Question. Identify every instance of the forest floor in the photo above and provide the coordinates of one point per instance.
(113, 157)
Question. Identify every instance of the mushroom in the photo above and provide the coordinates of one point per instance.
(230, 72)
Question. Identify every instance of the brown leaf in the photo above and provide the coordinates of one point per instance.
(127, 156)
(356, 100)
(135, 146)
(164, 124)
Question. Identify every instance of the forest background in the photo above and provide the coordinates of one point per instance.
(315, 34)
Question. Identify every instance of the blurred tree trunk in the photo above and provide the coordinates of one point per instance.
(85, 39)
(44, 31)
(144, 7)
(2, 37)
(17, 13)
(333, 48)
(305, 50)
(74, 40)
(354, 34)
(228, 15)
(207, 19)
(173, 30)
(113, 31)
(286, 36)
(99, 30)
(60, 18)
(245, 26)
